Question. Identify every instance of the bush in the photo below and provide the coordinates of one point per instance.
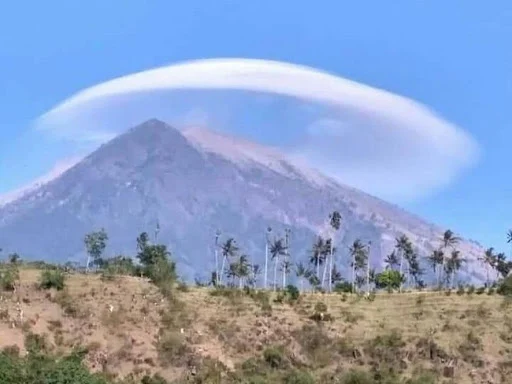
(343, 287)
(505, 288)
(292, 292)
(298, 377)
(274, 357)
(52, 279)
(8, 277)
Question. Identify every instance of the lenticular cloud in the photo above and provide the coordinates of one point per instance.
(372, 139)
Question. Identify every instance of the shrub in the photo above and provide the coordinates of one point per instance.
(343, 287)
(505, 288)
(52, 279)
(274, 357)
(8, 278)
(298, 377)
(292, 292)
(471, 290)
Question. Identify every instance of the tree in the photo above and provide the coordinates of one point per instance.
(318, 255)
(267, 246)
(489, 260)
(95, 244)
(277, 249)
(300, 272)
(155, 261)
(402, 244)
(358, 252)
(229, 250)
(216, 256)
(449, 240)
(391, 261)
(389, 279)
(240, 269)
(436, 261)
(453, 264)
(503, 266)
(14, 258)
(335, 222)
(286, 264)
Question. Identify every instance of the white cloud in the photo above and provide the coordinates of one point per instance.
(375, 140)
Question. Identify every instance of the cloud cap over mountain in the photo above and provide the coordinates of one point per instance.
(371, 139)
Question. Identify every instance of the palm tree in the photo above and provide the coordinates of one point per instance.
(267, 244)
(216, 256)
(391, 260)
(449, 240)
(277, 248)
(435, 260)
(335, 222)
(286, 263)
(401, 245)
(229, 250)
(317, 254)
(300, 272)
(357, 252)
(489, 260)
(453, 264)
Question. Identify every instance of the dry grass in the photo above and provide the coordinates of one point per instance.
(129, 328)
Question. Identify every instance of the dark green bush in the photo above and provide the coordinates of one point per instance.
(52, 279)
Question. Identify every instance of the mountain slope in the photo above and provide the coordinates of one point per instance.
(194, 183)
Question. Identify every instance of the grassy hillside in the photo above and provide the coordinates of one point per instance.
(128, 329)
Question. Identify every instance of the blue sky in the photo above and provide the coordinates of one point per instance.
(451, 56)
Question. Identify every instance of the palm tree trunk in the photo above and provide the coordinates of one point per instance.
(284, 275)
(276, 262)
(324, 273)
(353, 274)
(401, 267)
(222, 269)
(330, 267)
(317, 268)
(216, 265)
(266, 266)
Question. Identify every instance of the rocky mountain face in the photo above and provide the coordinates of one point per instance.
(193, 183)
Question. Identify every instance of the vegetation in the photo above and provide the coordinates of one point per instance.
(233, 330)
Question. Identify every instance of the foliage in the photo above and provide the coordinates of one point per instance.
(9, 274)
(52, 279)
(389, 279)
(95, 244)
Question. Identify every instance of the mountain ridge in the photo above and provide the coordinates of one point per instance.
(155, 173)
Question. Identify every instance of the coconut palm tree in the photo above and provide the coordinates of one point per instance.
(436, 260)
(300, 272)
(216, 255)
(229, 250)
(358, 254)
(489, 260)
(401, 245)
(391, 260)
(318, 254)
(267, 245)
(335, 222)
(453, 264)
(286, 264)
(449, 240)
(277, 249)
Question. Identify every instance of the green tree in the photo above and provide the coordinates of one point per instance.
(95, 244)
(229, 250)
(335, 223)
(453, 264)
(449, 240)
(317, 257)
(389, 279)
(277, 249)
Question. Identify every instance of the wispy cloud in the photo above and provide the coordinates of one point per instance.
(378, 141)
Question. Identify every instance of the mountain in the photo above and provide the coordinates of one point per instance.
(193, 183)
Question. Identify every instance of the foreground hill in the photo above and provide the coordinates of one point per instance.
(193, 183)
(205, 335)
